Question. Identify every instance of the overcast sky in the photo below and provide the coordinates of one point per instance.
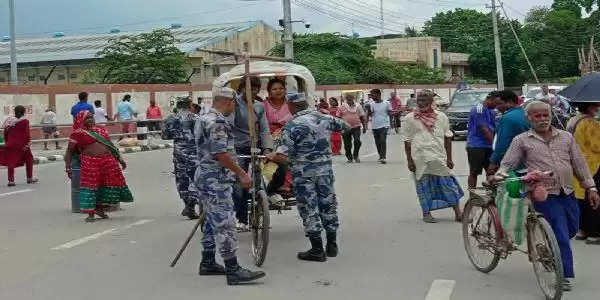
(43, 17)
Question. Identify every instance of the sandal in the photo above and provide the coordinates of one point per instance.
(593, 241)
(567, 286)
(429, 219)
(102, 214)
(32, 180)
(11, 184)
(90, 219)
(580, 237)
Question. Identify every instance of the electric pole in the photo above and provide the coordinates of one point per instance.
(381, 19)
(499, 71)
(14, 79)
(288, 40)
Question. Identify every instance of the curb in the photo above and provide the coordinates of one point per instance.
(38, 160)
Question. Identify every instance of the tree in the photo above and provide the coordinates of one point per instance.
(470, 31)
(570, 5)
(411, 31)
(339, 59)
(145, 58)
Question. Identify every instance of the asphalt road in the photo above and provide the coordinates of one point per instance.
(386, 251)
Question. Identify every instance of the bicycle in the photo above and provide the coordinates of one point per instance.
(486, 242)
(259, 219)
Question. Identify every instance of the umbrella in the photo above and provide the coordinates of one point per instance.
(586, 89)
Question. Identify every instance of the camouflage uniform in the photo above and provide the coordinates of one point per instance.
(215, 183)
(305, 141)
(180, 128)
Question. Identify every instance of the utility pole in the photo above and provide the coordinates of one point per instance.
(499, 71)
(288, 40)
(14, 79)
(381, 19)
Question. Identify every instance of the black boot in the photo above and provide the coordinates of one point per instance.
(316, 252)
(332, 247)
(209, 266)
(238, 275)
(190, 212)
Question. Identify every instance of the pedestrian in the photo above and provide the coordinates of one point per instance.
(102, 182)
(214, 179)
(428, 146)
(480, 137)
(512, 123)
(49, 127)
(203, 106)
(81, 105)
(323, 106)
(278, 114)
(125, 114)
(17, 146)
(100, 115)
(546, 148)
(336, 137)
(380, 111)
(154, 116)
(586, 131)
(180, 128)
(355, 116)
(396, 104)
(305, 143)
(241, 134)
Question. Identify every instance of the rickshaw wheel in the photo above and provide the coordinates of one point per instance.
(261, 223)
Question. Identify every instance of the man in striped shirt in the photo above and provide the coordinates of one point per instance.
(546, 148)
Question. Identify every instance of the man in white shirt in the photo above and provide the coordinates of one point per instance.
(100, 115)
(379, 111)
(49, 127)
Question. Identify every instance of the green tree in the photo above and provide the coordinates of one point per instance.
(339, 59)
(145, 58)
(470, 31)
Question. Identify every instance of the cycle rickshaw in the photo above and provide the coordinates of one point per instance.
(299, 79)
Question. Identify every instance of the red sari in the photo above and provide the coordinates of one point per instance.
(16, 151)
(336, 137)
(102, 181)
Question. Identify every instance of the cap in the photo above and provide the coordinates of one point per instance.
(224, 92)
(183, 99)
(296, 97)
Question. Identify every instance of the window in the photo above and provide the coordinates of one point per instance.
(73, 75)
(435, 58)
(246, 47)
(61, 76)
(42, 78)
(2, 79)
(197, 70)
(31, 77)
(216, 72)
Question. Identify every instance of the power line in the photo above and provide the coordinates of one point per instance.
(519, 42)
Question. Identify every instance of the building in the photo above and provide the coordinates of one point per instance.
(64, 59)
(426, 51)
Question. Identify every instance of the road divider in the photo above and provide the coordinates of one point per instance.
(43, 159)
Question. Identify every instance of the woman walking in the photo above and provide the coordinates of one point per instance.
(102, 182)
(586, 131)
(17, 142)
(336, 137)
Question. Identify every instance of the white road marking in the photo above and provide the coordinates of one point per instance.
(378, 186)
(369, 155)
(83, 240)
(440, 290)
(16, 192)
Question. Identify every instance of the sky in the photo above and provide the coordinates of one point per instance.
(42, 18)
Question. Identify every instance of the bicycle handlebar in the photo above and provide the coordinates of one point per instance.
(502, 178)
(255, 156)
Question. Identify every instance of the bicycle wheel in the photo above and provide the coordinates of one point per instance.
(547, 263)
(481, 236)
(261, 223)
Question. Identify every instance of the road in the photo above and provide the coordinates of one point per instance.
(386, 251)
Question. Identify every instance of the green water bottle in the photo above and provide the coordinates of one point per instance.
(513, 187)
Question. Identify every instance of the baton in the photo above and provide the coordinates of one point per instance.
(187, 241)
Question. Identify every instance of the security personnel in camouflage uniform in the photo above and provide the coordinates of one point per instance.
(305, 141)
(180, 128)
(215, 175)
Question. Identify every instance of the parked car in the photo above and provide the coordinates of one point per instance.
(532, 92)
(460, 108)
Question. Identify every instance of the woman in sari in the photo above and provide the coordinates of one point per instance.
(586, 131)
(336, 137)
(102, 182)
(17, 151)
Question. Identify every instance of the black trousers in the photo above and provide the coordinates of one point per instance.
(380, 135)
(352, 138)
(240, 195)
(278, 179)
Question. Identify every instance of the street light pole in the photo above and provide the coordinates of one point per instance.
(499, 71)
(288, 40)
(14, 78)
(381, 19)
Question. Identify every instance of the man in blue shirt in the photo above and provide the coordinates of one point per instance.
(480, 138)
(513, 122)
(125, 111)
(81, 105)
